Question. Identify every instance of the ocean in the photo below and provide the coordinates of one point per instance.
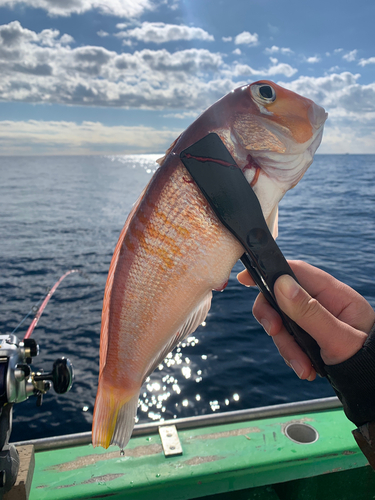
(60, 213)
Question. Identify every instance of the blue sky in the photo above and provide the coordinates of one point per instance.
(127, 76)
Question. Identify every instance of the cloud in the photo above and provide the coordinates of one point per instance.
(182, 116)
(365, 62)
(313, 59)
(350, 56)
(47, 67)
(351, 108)
(120, 8)
(275, 50)
(166, 63)
(237, 52)
(340, 139)
(333, 69)
(227, 38)
(52, 137)
(162, 33)
(44, 68)
(276, 68)
(102, 33)
(246, 38)
(325, 90)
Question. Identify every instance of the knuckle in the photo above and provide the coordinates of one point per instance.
(310, 308)
(298, 266)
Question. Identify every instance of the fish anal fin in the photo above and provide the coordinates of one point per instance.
(196, 317)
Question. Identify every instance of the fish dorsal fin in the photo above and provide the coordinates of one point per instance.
(273, 222)
(109, 285)
(191, 324)
(161, 160)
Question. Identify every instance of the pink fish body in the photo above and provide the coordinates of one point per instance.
(173, 251)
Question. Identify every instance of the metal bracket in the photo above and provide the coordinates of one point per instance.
(170, 440)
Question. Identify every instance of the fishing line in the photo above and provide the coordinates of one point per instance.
(34, 309)
(38, 310)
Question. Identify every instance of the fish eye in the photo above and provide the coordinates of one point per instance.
(263, 93)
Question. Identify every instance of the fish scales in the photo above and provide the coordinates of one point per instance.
(192, 242)
(173, 251)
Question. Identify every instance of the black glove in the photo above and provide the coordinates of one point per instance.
(354, 382)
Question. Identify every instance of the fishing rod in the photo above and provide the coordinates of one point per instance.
(18, 382)
(45, 302)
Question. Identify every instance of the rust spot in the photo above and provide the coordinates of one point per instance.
(105, 477)
(95, 479)
(79, 463)
(141, 451)
(202, 460)
(226, 434)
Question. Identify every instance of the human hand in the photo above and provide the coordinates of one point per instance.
(334, 314)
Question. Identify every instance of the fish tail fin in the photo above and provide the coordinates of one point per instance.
(114, 417)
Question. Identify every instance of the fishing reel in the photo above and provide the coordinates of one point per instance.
(17, 383)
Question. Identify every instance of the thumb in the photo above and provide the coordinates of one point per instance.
(338, 341)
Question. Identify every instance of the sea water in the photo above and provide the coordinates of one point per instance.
(65, 212)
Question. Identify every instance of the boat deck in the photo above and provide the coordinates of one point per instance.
(249, 459)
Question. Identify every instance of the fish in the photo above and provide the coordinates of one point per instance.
(173, 251)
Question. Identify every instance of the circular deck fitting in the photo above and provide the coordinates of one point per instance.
(301, 433)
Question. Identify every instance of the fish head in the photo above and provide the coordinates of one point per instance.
(272, 121)
(274, 134)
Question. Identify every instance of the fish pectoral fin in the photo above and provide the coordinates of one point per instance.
(195, 318)
(273, 222)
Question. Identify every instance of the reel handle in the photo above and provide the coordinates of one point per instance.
(61, 376)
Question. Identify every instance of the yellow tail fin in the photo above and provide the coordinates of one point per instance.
(114, 416)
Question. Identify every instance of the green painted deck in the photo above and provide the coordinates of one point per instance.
(247, 460)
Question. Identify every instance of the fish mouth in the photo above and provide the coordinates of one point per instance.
(317, 116)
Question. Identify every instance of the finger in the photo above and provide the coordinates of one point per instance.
(266, 315)
(338, 340)
(293, 355)
(339, 299)
(245, 279)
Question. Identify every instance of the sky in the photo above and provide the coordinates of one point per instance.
(128, 76)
